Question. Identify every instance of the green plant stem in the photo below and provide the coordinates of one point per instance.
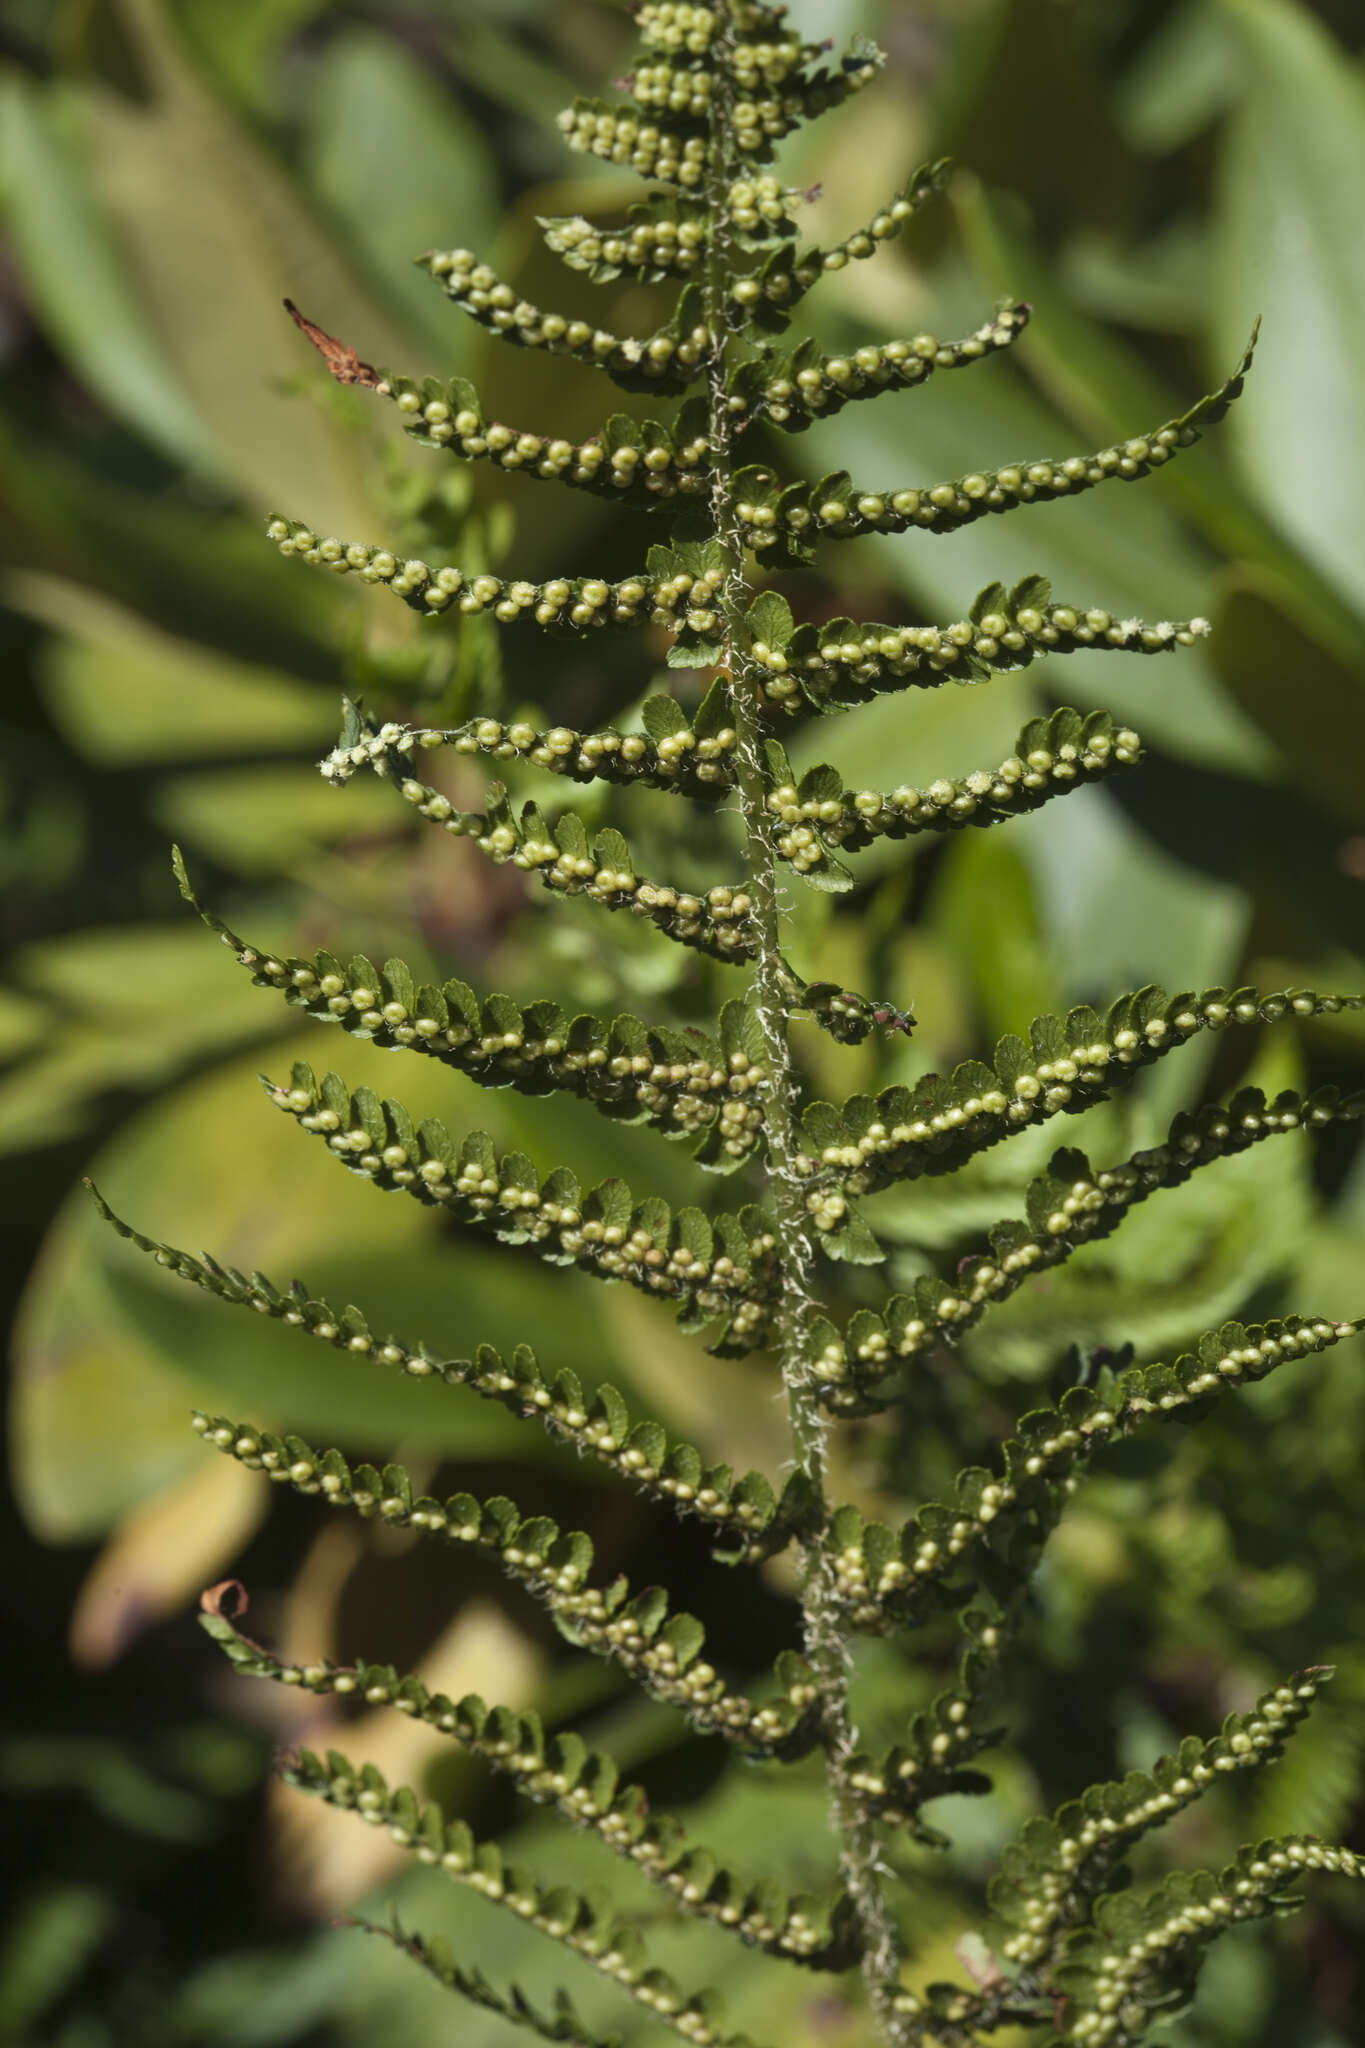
(825, 1646)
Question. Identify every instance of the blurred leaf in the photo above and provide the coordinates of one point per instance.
(218, 237)
(118, 1785)
(270, 819)
(162, 1554)
(1289, 227)
(1306, 701)
(371, 110)
(46, 1947)
(125, 1009)
(74, 272)
(122, 691)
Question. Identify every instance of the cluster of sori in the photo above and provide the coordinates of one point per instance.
(1084, 1954)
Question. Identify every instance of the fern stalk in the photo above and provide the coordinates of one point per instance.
(860, 1862)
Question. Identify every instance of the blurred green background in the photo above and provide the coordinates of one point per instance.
(1151, 174)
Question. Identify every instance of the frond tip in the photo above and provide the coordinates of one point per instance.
(1142, 1956)
(752, 1519)
(582, 1922)
(1049, 1877)
(716, 1266)
(583, 1785)
(637, 1631)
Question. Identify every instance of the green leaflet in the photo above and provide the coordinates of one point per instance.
(836, 508)
(1068, 1064)
(435, 1957)
(553, 1565)
(848, 661)
(668, 595)
(1071, 1205)
(602, 1232)
(646, 463)
(1050, 1875)
(932, 1762)
(885, 1577)
(1141, 1957)
(792, 389)
(579, 1921)
(582, 1784)
(767, 298)
(667, 361)
(680, 1082)
(564, 859)
(1051, 756)
(753, 1519)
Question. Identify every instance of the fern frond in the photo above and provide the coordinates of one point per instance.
(837, 508)
(932, 1762)
(666, 596)
(1071, 1205)
(633, 462)
(1050, 1874)
(581, 1921)
(665, 236)
(847, 661)
(435, 1957)
(636, 1631)
(1140, 1960)
(792, 390)
(716, 1267)
(818, 816)
(684, 1084)
(582, 1784)
(666, 361)
(668, 145)
(564, 859)
(770, 295)
(692, 755)
(1069, 1064)
(755, 1520)
(886, 1578)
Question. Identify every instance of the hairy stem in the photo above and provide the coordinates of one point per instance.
(825, 1642)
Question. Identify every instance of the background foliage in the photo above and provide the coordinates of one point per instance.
(1149, 176)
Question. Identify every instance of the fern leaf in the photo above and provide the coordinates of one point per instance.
(754, 1520)
(666, 596)
(768, 297)
(1071, 1205)
(818, 816)
(932, 1762)
(665, 238)
(666, 361)
(636, 1631)
(434, 1956)
(719, 1266)
(691, 755)
(582, 1922)
(1069, 1064)
(837, 508)
(684, 1084)
(844, 662)
(661, 140)
(791, 390)
(1141, 1959)
(564, 859)
(635, 462)
(582, 1784)
(885, 1579)
(1050, 1875)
